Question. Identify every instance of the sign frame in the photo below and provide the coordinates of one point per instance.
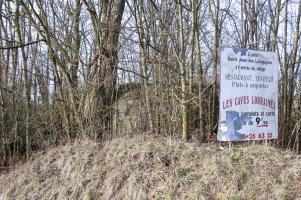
(248, 101)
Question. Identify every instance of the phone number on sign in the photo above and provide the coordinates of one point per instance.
(253, 136)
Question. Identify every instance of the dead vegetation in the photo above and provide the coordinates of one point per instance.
(146, 167)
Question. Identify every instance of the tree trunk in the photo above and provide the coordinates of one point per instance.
(26, 76)
(182, 73)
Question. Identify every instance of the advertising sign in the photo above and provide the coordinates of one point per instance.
(248, 108)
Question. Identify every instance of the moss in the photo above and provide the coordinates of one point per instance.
(238, 154)
(66, 190)
(130, 168)
(234, 197)
(283, 193)
(180, 173)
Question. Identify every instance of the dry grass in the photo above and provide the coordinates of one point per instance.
(155, 168)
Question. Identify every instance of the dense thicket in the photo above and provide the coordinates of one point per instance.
(87, 68)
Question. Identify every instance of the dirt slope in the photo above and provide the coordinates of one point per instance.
(152, 168)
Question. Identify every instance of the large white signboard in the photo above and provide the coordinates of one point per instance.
(248, 108)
